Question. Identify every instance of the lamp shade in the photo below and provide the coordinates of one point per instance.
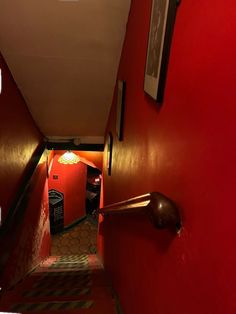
(68, 158)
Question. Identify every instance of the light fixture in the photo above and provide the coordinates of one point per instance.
(68, 158)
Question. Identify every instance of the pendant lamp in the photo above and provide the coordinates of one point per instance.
(68, 158)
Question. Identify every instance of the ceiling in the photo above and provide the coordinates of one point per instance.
(64, 56)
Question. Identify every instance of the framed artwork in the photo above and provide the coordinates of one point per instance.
(120, 106)
(109, 152)
(160, 33)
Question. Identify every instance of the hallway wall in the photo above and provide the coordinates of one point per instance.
(186, 149)
(28, 242)
(71, 181)
(32, 240)
(95, 157)
(19, 138)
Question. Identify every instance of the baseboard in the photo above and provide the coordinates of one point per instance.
(75, 223)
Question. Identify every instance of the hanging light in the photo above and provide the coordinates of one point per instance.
(68, 158)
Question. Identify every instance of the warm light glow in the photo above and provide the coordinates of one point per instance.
(8, 313)
(69, 158)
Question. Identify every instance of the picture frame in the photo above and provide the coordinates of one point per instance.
(120, 107)
(162, 21)
(109, 152)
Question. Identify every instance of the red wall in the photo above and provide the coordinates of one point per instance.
(19, 138)
(72, 183)
(32, 237)
(95, 157)
(185, 149)
(29, 242)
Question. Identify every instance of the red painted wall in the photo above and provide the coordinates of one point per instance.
(185, 149)
(72, 183)
(19, 138)
(33, 240)
(95, 157)
(29, 242)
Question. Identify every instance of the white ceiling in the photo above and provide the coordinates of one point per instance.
(64, 56)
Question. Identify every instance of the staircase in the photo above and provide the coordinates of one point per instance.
(63, 284)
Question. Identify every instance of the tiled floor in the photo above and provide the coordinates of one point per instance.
(70, 281)
(82, 239)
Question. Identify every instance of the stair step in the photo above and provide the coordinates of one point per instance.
(80, 287)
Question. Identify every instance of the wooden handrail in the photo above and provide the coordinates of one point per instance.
(16, 205)
(162, 211)
(15, 216)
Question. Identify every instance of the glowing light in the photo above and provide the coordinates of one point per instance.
(69, 158)
(8, 313)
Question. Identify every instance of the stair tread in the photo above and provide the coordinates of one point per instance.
(71, 289)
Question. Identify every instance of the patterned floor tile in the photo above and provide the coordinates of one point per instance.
(80, 240)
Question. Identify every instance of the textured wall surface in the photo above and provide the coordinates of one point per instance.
(32, 236)
(19, 138)
(29, 241)
(186, 149)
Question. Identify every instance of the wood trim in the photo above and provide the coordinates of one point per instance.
(71, 146)
(162, 211)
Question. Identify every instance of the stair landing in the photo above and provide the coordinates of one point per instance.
(63, 284)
